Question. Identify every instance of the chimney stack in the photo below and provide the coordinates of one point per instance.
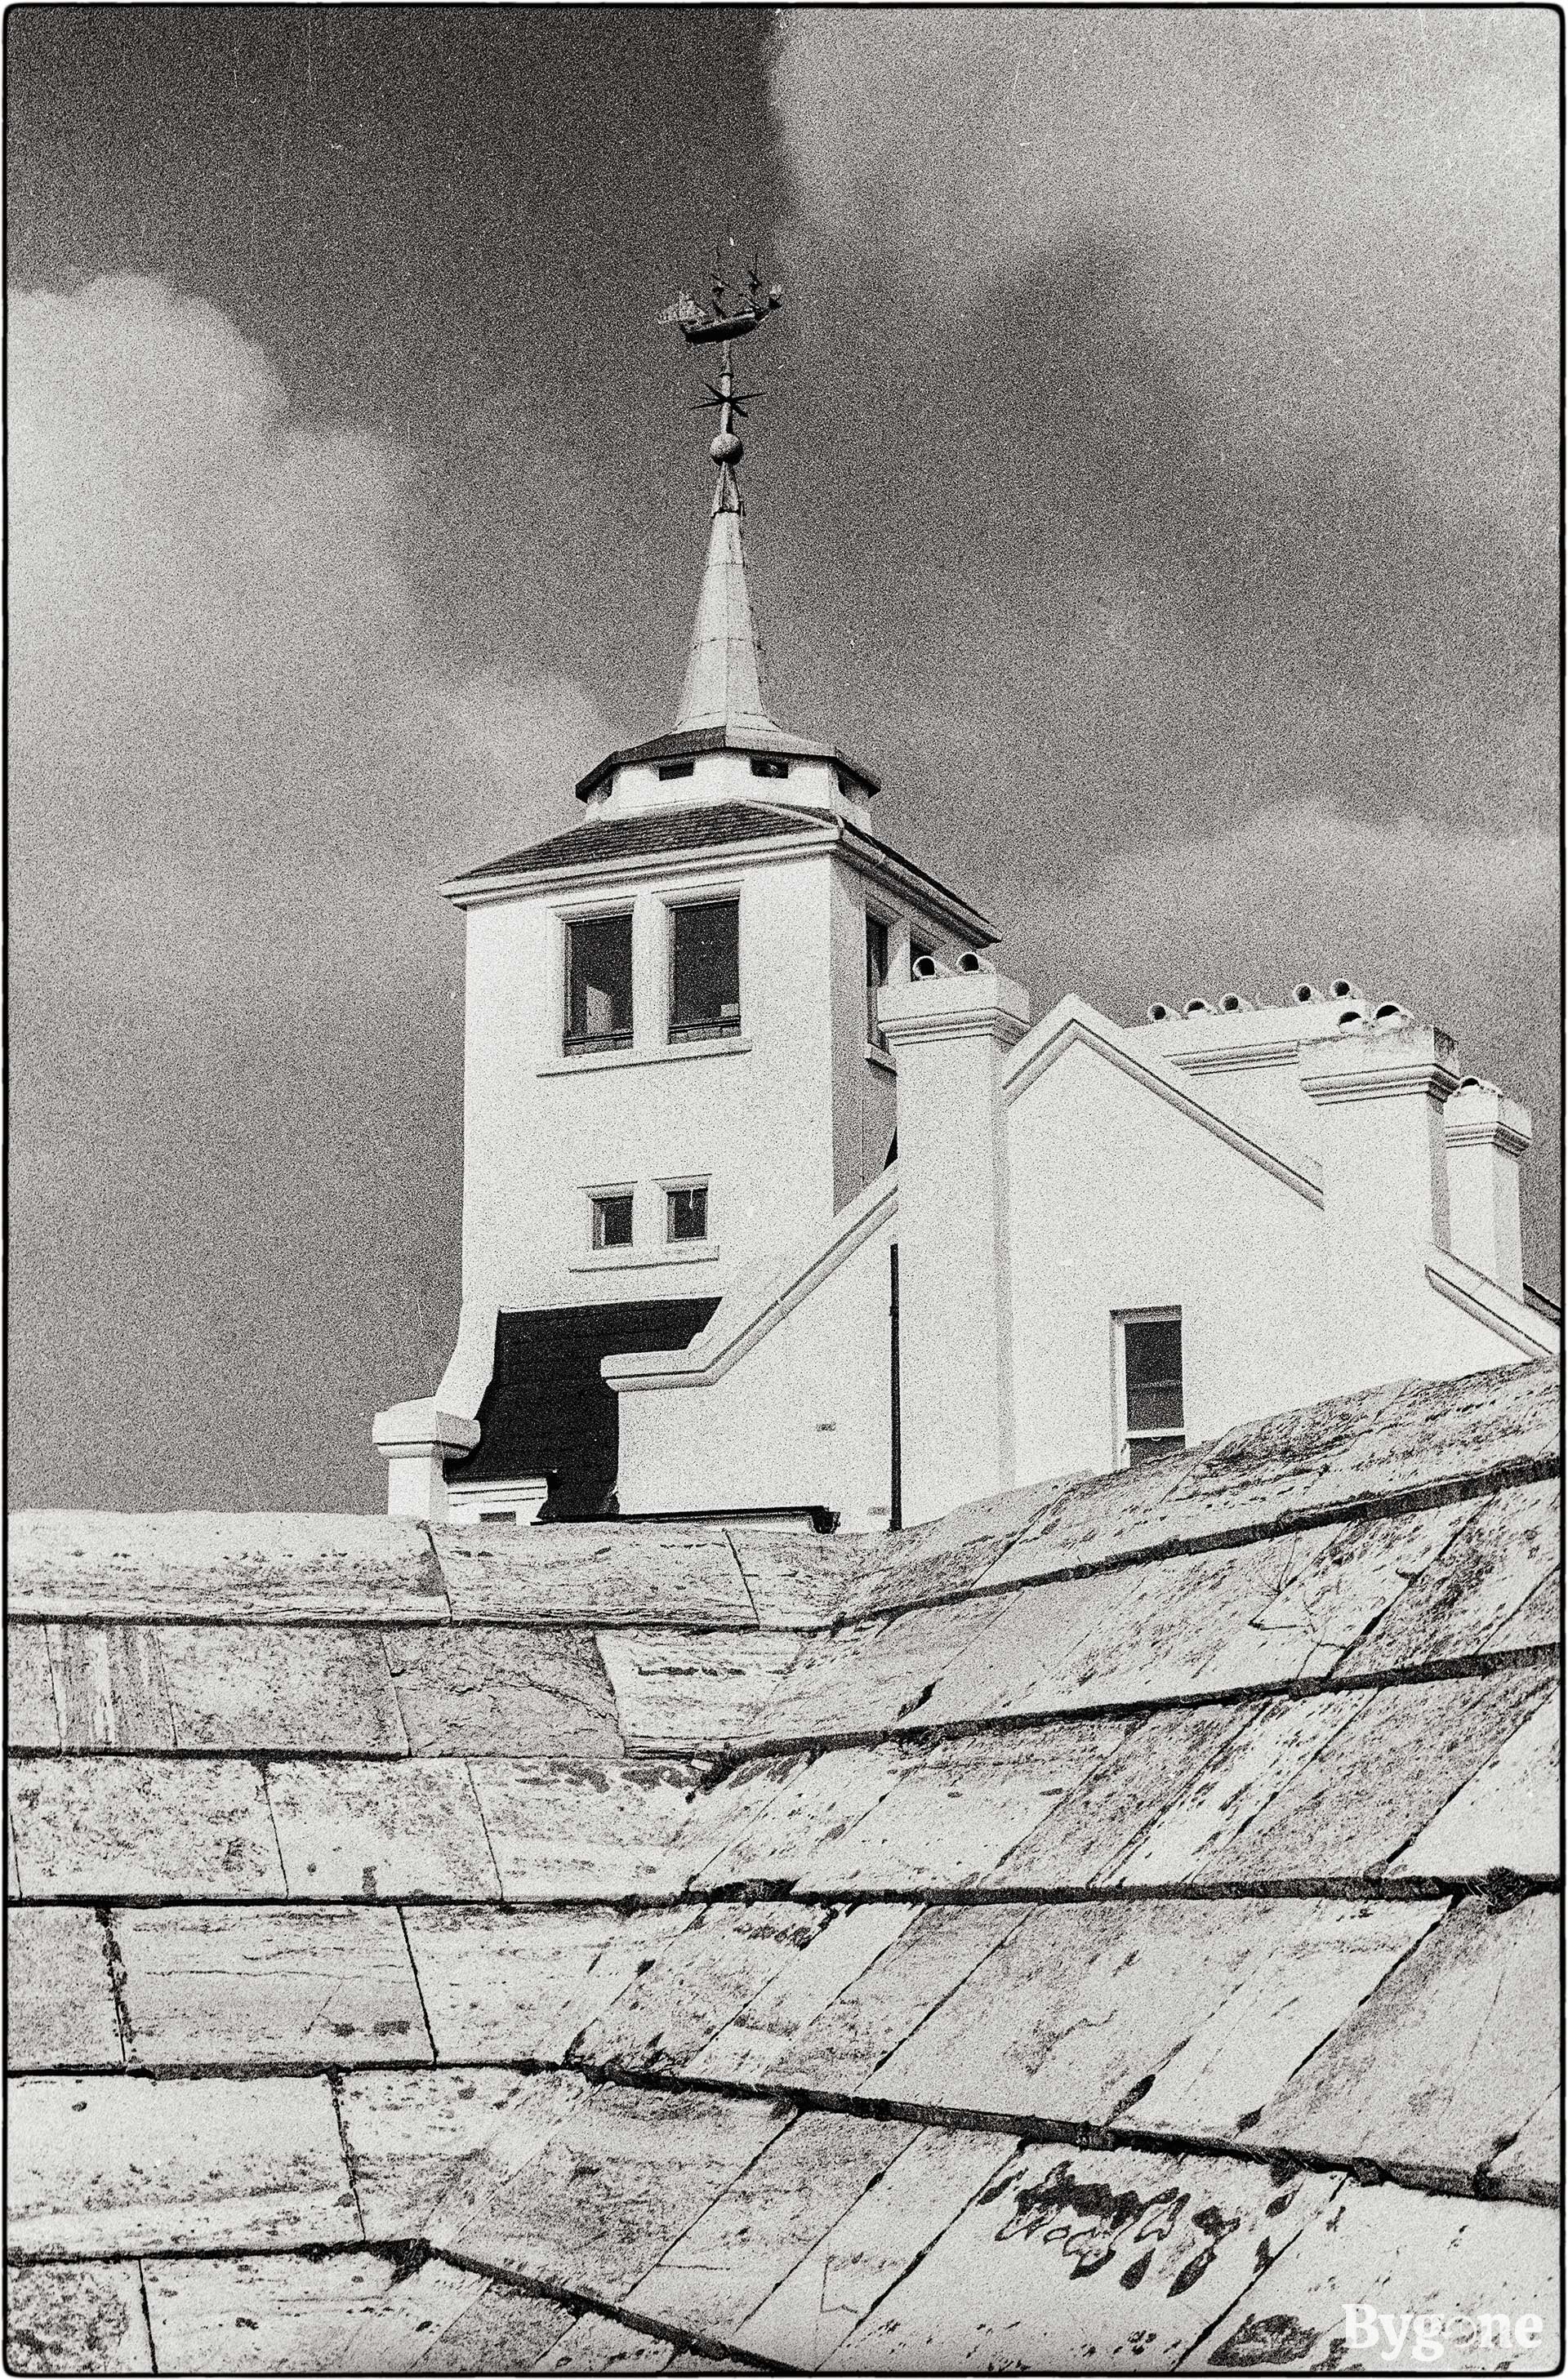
(949, 1036)
(1486, 1136)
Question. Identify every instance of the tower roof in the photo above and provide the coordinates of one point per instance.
(723, 671)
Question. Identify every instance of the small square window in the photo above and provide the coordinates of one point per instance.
(879, 947)
(613, 1219)
(705, 971)
(687, 1213)
(671, 769)
(1152, 1394)
(598, 983)
(763, 765)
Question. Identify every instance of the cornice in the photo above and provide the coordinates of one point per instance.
(1487, 1136)
(1424, 1077)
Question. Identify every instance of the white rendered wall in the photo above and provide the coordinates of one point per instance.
(802, 1417)
(1119, 1203)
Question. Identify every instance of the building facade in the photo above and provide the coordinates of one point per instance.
(695, 1281)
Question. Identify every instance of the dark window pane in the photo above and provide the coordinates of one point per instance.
(669, 769)
(919, 951)
(599, 982)
(1154, 1375)
(877, 942)
(763, 767)
(613, 1221)
(705, 995)
(688, 1214)
(1149, 1450)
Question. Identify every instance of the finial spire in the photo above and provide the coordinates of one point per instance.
(723, 678)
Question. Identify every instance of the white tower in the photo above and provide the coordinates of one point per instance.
(673, 1068)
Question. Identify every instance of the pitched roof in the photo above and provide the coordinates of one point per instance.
(691, 743)
(701, 828)
(1113, 1924)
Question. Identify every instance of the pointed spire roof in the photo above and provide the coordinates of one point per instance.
(723, 671)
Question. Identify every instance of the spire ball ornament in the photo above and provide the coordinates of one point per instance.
(726, 447)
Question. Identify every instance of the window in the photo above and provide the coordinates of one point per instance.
(613, 1219)
(598, 983)
(879, 938)
(668, 769)
(762, 766)
(1153, 1419)
(705, 971)
(686, 1213)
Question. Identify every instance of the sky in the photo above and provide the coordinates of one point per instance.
(1155, 482)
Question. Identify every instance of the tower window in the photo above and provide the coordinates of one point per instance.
(879, 941)
(686, 1213)
(668, 769)
(613, 1219)
(763, 765)
(1151, 1396)
(598, 983)
(705, 971)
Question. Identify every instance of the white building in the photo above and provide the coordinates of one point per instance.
(695, 1280)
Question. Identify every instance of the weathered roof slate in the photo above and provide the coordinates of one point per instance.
(1118, 1924)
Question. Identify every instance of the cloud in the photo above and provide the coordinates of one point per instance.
(241, 764)
(1339, 223)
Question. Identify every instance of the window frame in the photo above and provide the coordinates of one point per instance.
(725, 897)
(673, 1189)
(578, 1045)
(598, 1196)
(875, 1038)
(1174, 1439)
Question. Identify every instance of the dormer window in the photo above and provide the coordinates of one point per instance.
(599, 982)
(704, 970)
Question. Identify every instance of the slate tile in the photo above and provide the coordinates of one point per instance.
(1508, 1547)
(1355, 1805)
(757, 2230)
(1340, 1583)
(381, 1830)
(759, 2037)
(1244, 1772)
(1446, 2058)
(110, 1686)
(596, 1573)
(1088, 1834)
(414, 2138)
(1447, 2263)
(118, 2163)
(1507, 1814)
(704, 1977)
(33, 1723)
(59, 1999)
(800, 1579)
(598, 1830)
(677, 1690)
(962, 1806)
(503, 1691)
(1286, 2001)
(1534, 2155)
(1080, 2006)
(842, 2276)
(597, 2343)
(843, 2049)
(128, 1828)
(1537, 1623)
(204, 1566)
(1067, 2257)
(942, 1557)
(723, 1809)
(594, 2201)
(870, 1676)
(524, 1983)
(780, 1813)
(260, 1689)
(249, 1988)
(1102, 1519)
(72, 2317)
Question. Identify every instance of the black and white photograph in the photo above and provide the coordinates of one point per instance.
(784, 813)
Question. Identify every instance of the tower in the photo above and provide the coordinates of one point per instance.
(672, 1067)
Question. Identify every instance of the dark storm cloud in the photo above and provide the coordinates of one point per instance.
(1153, 481)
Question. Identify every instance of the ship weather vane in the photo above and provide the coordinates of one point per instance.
(729, 315)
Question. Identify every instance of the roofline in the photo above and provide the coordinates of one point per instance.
(681, 743)
(820, 829)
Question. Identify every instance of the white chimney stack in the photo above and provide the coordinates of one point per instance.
(949, 1036)
(1486, 1136)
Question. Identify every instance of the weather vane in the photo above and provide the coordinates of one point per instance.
(727, 317)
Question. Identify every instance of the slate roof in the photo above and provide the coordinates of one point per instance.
(690, 742)
(701, 828)
(1108, 1929)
